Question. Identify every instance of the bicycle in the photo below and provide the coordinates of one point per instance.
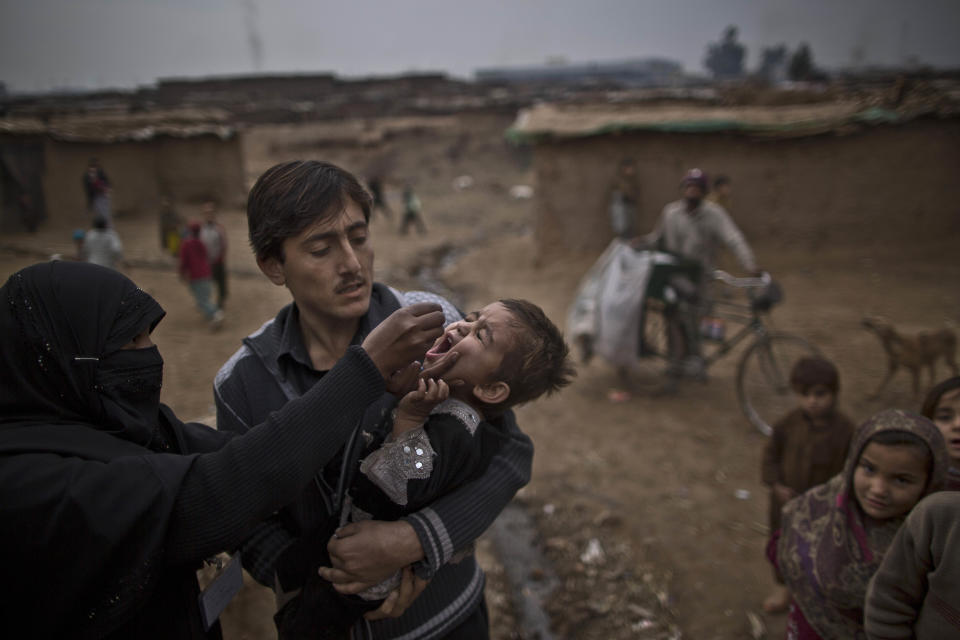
(763, 372)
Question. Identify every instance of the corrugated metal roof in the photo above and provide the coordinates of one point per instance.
(125, 127)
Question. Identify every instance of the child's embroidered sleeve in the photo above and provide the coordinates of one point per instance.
(409, 457)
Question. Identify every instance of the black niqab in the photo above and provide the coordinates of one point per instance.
(63, 325)
(85, 502)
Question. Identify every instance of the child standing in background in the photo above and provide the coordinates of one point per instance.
(915, 592)
(942, 406)
(834, 536)
(412, 211)
(807, 447)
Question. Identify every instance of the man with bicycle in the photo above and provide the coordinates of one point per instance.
(693, 229)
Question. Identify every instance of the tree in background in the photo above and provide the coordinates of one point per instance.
(773, 63)
(725, 58)
(801, 65)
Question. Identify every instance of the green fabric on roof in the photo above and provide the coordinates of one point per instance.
(870, 116)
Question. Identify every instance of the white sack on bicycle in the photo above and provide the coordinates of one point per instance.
(609, 301)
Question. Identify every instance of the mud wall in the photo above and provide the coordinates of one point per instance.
(878, 185)
(141, 172)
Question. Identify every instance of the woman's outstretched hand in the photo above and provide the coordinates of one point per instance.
(403, 338)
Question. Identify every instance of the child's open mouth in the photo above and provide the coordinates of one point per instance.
(442, 345)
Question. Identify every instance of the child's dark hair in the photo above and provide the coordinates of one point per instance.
(929, 406)
(538, 363)
(894, 438)
(810, 372)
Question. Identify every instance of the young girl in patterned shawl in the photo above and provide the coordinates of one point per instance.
(833, 537)
(942, 405)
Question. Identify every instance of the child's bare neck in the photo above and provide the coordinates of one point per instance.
(466, 396)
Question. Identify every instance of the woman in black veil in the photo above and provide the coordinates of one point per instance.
(108, 502)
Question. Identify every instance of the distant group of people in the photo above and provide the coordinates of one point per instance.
(200, 246)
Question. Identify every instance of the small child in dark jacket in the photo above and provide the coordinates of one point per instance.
(808, 447)
(437, 438)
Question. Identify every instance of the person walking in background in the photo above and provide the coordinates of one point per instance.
(379, 197)
(101, 244)
(195, 271)
(722, 192)
(171, 227)
(214, 238)
(624, 198)
(807, 448)
(96, 187)
(412, 211)
(693, 230)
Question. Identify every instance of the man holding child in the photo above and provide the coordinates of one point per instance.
(308, 224)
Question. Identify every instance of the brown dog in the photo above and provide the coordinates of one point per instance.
(913, 353)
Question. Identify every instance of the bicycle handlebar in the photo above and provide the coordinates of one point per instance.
(754, 282)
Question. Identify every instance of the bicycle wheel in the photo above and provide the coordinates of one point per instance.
(654, 340)
(763, 378)
(647, 369)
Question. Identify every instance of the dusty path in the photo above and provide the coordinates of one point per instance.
(653, 481)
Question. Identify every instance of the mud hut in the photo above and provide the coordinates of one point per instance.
(22, 204)
(187, 155)
(810, 173)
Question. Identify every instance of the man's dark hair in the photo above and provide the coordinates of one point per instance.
(538, 363)
(810, 372)
(100, 223)
(291, 196)
(721, 180)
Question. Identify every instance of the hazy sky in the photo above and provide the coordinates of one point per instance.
(124, 43)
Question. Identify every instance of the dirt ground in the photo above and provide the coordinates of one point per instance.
(649, 512)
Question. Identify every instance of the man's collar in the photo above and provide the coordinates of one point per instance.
(291, 335)
(291, 339)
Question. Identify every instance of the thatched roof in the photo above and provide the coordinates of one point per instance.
(124, 126)
(552, 121)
